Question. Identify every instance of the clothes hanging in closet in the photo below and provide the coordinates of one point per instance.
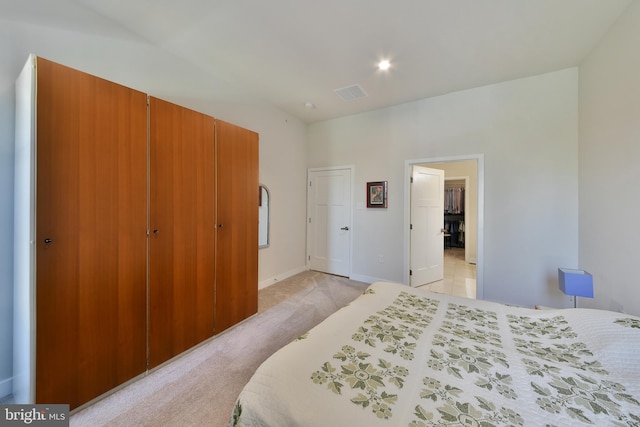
(454, 200)
(455, 227)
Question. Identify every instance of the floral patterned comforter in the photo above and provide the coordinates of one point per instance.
(399, 356)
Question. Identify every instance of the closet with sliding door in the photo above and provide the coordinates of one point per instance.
(124, 208)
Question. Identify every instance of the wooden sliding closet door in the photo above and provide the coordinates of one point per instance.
(181, 246)
(91, 235)
(237, 231)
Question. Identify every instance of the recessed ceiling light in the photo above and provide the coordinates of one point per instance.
(384, 65)
(310, 105)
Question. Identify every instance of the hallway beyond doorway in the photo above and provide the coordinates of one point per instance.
(459, 276)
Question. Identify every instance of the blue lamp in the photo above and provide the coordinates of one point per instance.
(577, 283)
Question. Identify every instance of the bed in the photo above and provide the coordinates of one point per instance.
(398, 356)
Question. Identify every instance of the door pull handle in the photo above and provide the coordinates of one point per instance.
(344, 228)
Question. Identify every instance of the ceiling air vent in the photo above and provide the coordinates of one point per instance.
(350, 93)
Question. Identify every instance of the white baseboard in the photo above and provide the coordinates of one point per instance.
(265, 283)
(6, 388)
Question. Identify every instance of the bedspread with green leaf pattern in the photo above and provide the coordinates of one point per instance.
(399, 356)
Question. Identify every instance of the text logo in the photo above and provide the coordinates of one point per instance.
(34, 415)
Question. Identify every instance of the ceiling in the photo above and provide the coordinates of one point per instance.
(292, 52)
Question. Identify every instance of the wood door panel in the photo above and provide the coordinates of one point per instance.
(182, 252)
(91, 280)
(57, 263)
(237, 231)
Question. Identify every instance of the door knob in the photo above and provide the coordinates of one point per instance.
(344, 228)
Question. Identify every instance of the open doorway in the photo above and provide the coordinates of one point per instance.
(462, 227)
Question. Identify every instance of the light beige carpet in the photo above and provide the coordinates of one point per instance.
(200, 387)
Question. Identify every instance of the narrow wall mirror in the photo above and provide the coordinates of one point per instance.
(263, 217)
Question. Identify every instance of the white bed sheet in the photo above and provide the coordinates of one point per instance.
(399, 356)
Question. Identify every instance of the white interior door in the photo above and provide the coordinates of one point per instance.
(427, 221)
(330, 221)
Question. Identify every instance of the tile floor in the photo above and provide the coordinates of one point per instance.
(459, 276)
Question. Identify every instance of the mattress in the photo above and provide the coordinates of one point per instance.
(398, 356)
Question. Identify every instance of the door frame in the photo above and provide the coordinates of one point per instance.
(479, 158)
(351, 168)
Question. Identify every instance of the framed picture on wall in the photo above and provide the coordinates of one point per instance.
(377, 194)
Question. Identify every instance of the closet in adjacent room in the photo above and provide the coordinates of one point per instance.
(454, 200)
(136, 232)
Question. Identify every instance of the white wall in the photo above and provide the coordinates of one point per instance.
(609, 166)
(132, 62)
(527, 130)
